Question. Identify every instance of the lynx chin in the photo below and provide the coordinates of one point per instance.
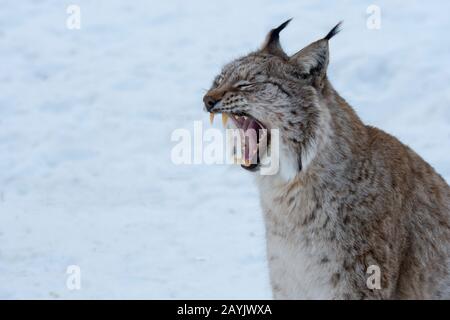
(347, 195)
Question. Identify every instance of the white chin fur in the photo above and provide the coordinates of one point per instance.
(289, 164)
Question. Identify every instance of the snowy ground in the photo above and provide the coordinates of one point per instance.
(85, 123)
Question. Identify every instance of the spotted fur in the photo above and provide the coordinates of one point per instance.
(347, 195)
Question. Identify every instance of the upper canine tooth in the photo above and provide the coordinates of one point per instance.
(211, 118)
(224, 119)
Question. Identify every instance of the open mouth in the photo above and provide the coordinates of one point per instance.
(254, 139)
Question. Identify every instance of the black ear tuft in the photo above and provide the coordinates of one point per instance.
(275, 33)
(334, 31)
(272, 43)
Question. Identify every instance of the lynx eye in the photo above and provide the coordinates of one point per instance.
(244, 84)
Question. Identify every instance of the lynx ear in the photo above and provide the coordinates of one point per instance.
(272, 43)
(314, 58)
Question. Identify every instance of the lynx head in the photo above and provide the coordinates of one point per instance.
(267, 89)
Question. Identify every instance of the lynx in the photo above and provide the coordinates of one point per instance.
(347, 196)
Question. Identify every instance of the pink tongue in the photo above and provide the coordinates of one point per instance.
(250, 128)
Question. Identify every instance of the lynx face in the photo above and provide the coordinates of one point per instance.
(255, 95)
(268, 90)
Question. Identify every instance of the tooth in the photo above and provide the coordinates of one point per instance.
(211, 118)
(224, 119)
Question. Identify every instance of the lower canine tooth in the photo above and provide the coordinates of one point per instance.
(211, 118)
(224, 119)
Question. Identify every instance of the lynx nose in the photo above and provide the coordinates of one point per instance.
(209, 102)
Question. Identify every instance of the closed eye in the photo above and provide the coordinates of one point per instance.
(245, 85)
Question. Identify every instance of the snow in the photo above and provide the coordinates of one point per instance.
(85, 123)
